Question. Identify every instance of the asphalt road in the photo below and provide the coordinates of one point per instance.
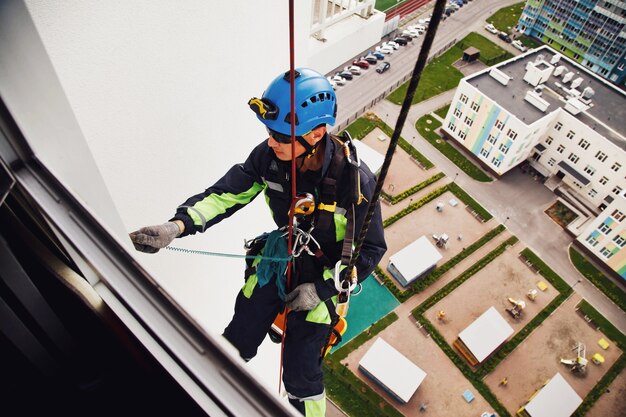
(358, 94)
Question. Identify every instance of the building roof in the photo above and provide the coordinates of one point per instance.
(392, 369)
(486, 333)
(556, 399)
(415, 258)
(607, 115)
(372, 158)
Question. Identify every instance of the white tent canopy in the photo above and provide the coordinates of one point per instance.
(391, 369)
(486, 333)
(556, 399)
(413, 260)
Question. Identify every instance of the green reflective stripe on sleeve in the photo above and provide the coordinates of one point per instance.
(315, 408)
(215, 204)
(340, 226)
(249, 286)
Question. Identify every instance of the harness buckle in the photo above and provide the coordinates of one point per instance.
(328, 207)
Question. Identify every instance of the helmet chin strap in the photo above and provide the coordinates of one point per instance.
(309, 150)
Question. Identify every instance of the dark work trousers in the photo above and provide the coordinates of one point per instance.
(302, 363)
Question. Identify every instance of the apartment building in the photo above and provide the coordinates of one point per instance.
(591, 32)
(541, 107)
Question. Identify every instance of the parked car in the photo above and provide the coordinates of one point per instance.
(383, 67)
(505, 37)
(400, 41)
(379, 55)
(407, 38)
(384, 50)
(353, 69)
(424, 22)
(346, 74)
(361, 63)
(393, 44)
(491, 28)
(339, 80)
(517, 44)
(409, 33)
(419, 28)
(371, 59)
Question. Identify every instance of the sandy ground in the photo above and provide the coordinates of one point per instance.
(537, 359)
(453, 221)
(504, 277)
(404, 172)
(444, 384)
(613, 402)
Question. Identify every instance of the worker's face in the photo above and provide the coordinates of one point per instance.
(283, 150)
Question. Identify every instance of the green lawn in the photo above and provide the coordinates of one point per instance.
(439, 75)
(443, 111)
(506, 18)
(448, 150)
(529, 42)
(383, 5)
(597, 278)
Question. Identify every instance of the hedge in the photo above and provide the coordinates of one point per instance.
(554, 278)
(597, 278)
(407, 193)
(345, 388)
(433, 276)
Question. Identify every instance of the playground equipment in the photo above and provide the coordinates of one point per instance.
(517, 309)
(441, 316)
(597, 358)
(441, 240)
(531, 294)
(579, 364)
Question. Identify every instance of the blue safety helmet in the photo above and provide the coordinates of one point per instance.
(316, 103)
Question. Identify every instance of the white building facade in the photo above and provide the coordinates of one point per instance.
(542, 107)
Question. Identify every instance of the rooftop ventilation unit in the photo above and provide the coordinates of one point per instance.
(499, 76)
(578, 81)
(555, 59)
(534, 99)
(575, 106)
(588, 92)
(559, 70)
(537, 72)
(568, 77)
(540, 58)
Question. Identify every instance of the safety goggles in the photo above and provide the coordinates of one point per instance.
(279, 137)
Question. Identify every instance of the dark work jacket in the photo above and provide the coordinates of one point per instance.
(262, 171)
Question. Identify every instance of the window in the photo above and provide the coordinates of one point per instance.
(573, 157)
(491, 139)
(485, 152)
(475, 106)
(604, 180)
(558, 126)
(551, 162)
(496, 162)
(457, 112)
(592, 241)
(499, 124)
(451, 126)
(583, 144)
(462, 135)
(604, 229)
(590, 170)
(463, 98)
(503, 148)
(512, 134)
(468, 121)
(606, 252)
(592, 193)
(616, 166)
(560, 149)
(616, 190)
(549, 140)
(619, 241)
(601, 156)
(570, 134)
(618, 215)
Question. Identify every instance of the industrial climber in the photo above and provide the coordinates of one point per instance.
(334, 189)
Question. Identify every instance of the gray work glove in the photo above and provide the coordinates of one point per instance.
(303, 298)
(152, 238)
